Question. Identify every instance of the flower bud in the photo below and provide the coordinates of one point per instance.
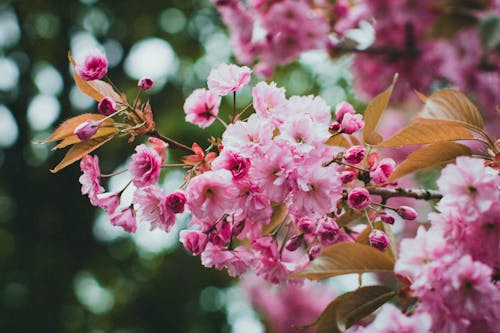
(94, 67)
(355, 154)
(334, 127)
(346, 177)
(314, 251)
(174, 202)
(327, 232)
(294, 243)
(342, 109)
(352, 123)
(86, 130)
(145, 83)
(106, 106)
(194, 241)
(238, 228)
(387, 218)
(407, 213)
(306, 225)
(378, 239)
(358, 198)
(381, 171)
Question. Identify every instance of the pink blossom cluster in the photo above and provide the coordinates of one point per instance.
(275, 158)
(149, 200)
(289, 27)
(284, 308)
(402, 45)
(453, 266)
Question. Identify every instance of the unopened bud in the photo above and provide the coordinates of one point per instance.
(238, 228)
(358, 198)
(294, 242)
(314, 251)
(387, 218)
(378, 239)
(346, 177)
(145, 83)
(334, 127)
(407, 213)
(306, 225)
(86, 130)
(355, 154)
(106, 106)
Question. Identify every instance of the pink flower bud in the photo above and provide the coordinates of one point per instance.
(334, 127)
(355, 154)
(378, 239)
(106, 106)
(294, 243)
(174, 202)
(145, 83)
(407, 213)
(387, 218)
(381, 171)
(358, 198)
(224, 229)
(216, 239)
(94, 67)
(194, 241)
(352, 123)
(86, 130)
(327, 232)
(342, 109)
(306, 225)
(238, 228)
(314, 251)
(346, 177)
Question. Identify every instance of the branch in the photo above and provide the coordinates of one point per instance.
(419, 194)
(172, 143)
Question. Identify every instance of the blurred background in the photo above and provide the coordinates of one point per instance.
(63, 267)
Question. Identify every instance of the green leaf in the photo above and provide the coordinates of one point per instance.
(446, 26)
(452, 105)
(423, 132)
(432, 155)
(349, 308)
(346, 258)
(489, 31)
(373, 113)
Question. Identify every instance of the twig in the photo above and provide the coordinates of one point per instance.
(172, 143)
(419, 194)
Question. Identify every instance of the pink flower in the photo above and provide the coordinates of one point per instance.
(86, 130)
(267, 98)
(236, 261)
(211, 194)
(145, 83)
(228, 78)
(381, 171)
(95, 67)
(124, 218)
(152, 204)
(90, 179)
(106, 106)
(407, 213)
(109, 201)
(194, 241)
(237, 164)
(174, 202)
(160, 146)
(355, 154)
(342, 109)
(359, 198)
(378, 239)
(145, 166)
(202, 107)
(352, 123)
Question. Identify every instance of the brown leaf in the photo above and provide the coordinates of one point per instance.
(96, 89)
(346, 258)
(349, 308)
(428, 132)
(67, 128)
(374, 111)
(279, 214)
(446, 26)
(349, 216)
(428, 156)
(79, 150)
(452, 105)
(338, 140)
